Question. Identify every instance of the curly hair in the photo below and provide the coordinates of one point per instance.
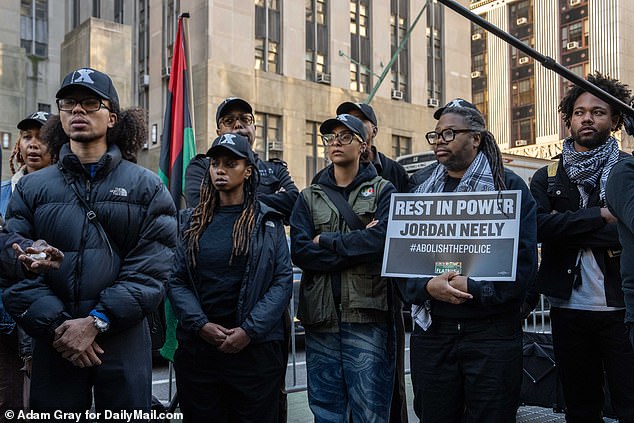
(488, 145)
(129, 132)
(203, 214)
(612, 86)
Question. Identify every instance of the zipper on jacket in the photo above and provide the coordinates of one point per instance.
(82, 244)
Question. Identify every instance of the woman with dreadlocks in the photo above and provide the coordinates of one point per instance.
(466, 348)
(231, 283)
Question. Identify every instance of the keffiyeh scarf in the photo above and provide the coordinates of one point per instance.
(586, 169)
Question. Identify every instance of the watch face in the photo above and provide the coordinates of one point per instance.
(100, 324)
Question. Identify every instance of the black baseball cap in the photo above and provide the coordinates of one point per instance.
(365, 109)
(456, 103)
(227, 103)
(352, 123)
(234, 143)
(95, 81)
(34, 120)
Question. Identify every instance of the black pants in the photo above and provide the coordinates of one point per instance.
(122, 382)
(11, 377)
(467, 371)
(586, 343)
(217, 387)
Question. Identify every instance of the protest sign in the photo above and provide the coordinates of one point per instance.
(475, 234)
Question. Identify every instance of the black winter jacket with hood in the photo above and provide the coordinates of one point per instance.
(126, 282)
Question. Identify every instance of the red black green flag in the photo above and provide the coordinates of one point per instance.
(177, 141)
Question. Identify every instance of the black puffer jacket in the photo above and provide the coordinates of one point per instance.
(137, 213)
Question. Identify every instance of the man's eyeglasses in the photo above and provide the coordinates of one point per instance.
(88, 104)
(230, 120)
(447, 135)
(344, 138)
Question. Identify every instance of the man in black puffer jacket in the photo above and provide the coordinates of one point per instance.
(115, 223)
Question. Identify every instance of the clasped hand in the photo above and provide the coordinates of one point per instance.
(75, 340)
(450, 287)
(226, 340)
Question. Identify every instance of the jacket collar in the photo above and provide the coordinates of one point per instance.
(69, 161)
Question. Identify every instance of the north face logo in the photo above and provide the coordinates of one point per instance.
(227, 139)
(119, 192)
(83, 75)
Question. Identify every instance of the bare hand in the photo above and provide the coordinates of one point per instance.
(235, 342)
(39, 257)
(460, 282)
(440, 289)
(372, 224)
(88, 358)
(607, 216)
(214, 334)
(75, 336)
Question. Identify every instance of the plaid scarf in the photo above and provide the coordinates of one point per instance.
(587, 168)
(478, 177)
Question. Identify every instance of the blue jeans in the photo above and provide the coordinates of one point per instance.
(351, 373)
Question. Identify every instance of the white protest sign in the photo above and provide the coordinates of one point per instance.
(475, 234)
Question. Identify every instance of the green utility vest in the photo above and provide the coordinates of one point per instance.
(363, 291)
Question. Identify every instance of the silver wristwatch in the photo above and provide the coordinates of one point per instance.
(100, 324)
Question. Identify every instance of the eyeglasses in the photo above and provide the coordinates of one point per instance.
(246, 119)
(447, 135)
(344, 138)
(88, 104)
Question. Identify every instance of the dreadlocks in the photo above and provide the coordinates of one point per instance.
(129, 132)
(203, 214)
(613, 86)
(488, 144)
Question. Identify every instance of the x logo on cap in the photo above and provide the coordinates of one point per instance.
(227, 139)
(39, 116)
(83, 75)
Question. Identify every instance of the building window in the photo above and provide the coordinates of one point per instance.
(44, 107)
(171, 10)
(360, 46)
(522, 92)
(267, 35)
(434, 51)
(522, 132)
(315, 152)
(268, 136)
(401, 145)
(143, 55)
(96, 8)
(317, 40)
(399, 22)
(34, 27)
(118, 10)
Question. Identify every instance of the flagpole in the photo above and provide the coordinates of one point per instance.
(185, 16)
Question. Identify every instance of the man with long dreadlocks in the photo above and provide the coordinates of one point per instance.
(579, 271)
(115, 223)
(466, 348)
(231, 284)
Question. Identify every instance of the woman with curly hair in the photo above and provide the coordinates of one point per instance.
(231, 284)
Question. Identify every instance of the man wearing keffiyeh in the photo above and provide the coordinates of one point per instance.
(466, 348)
(579, 271)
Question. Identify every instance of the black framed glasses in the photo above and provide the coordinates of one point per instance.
(88, 104)
(344, 138)
(447, 135)
(229, 120)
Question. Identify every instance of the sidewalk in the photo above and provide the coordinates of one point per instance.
(298, 411)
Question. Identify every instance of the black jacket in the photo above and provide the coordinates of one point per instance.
(274, 177)
(490, 299)
(138, 215)
(563, 233)
(385, 168)
(619, 194)
(266, 286)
